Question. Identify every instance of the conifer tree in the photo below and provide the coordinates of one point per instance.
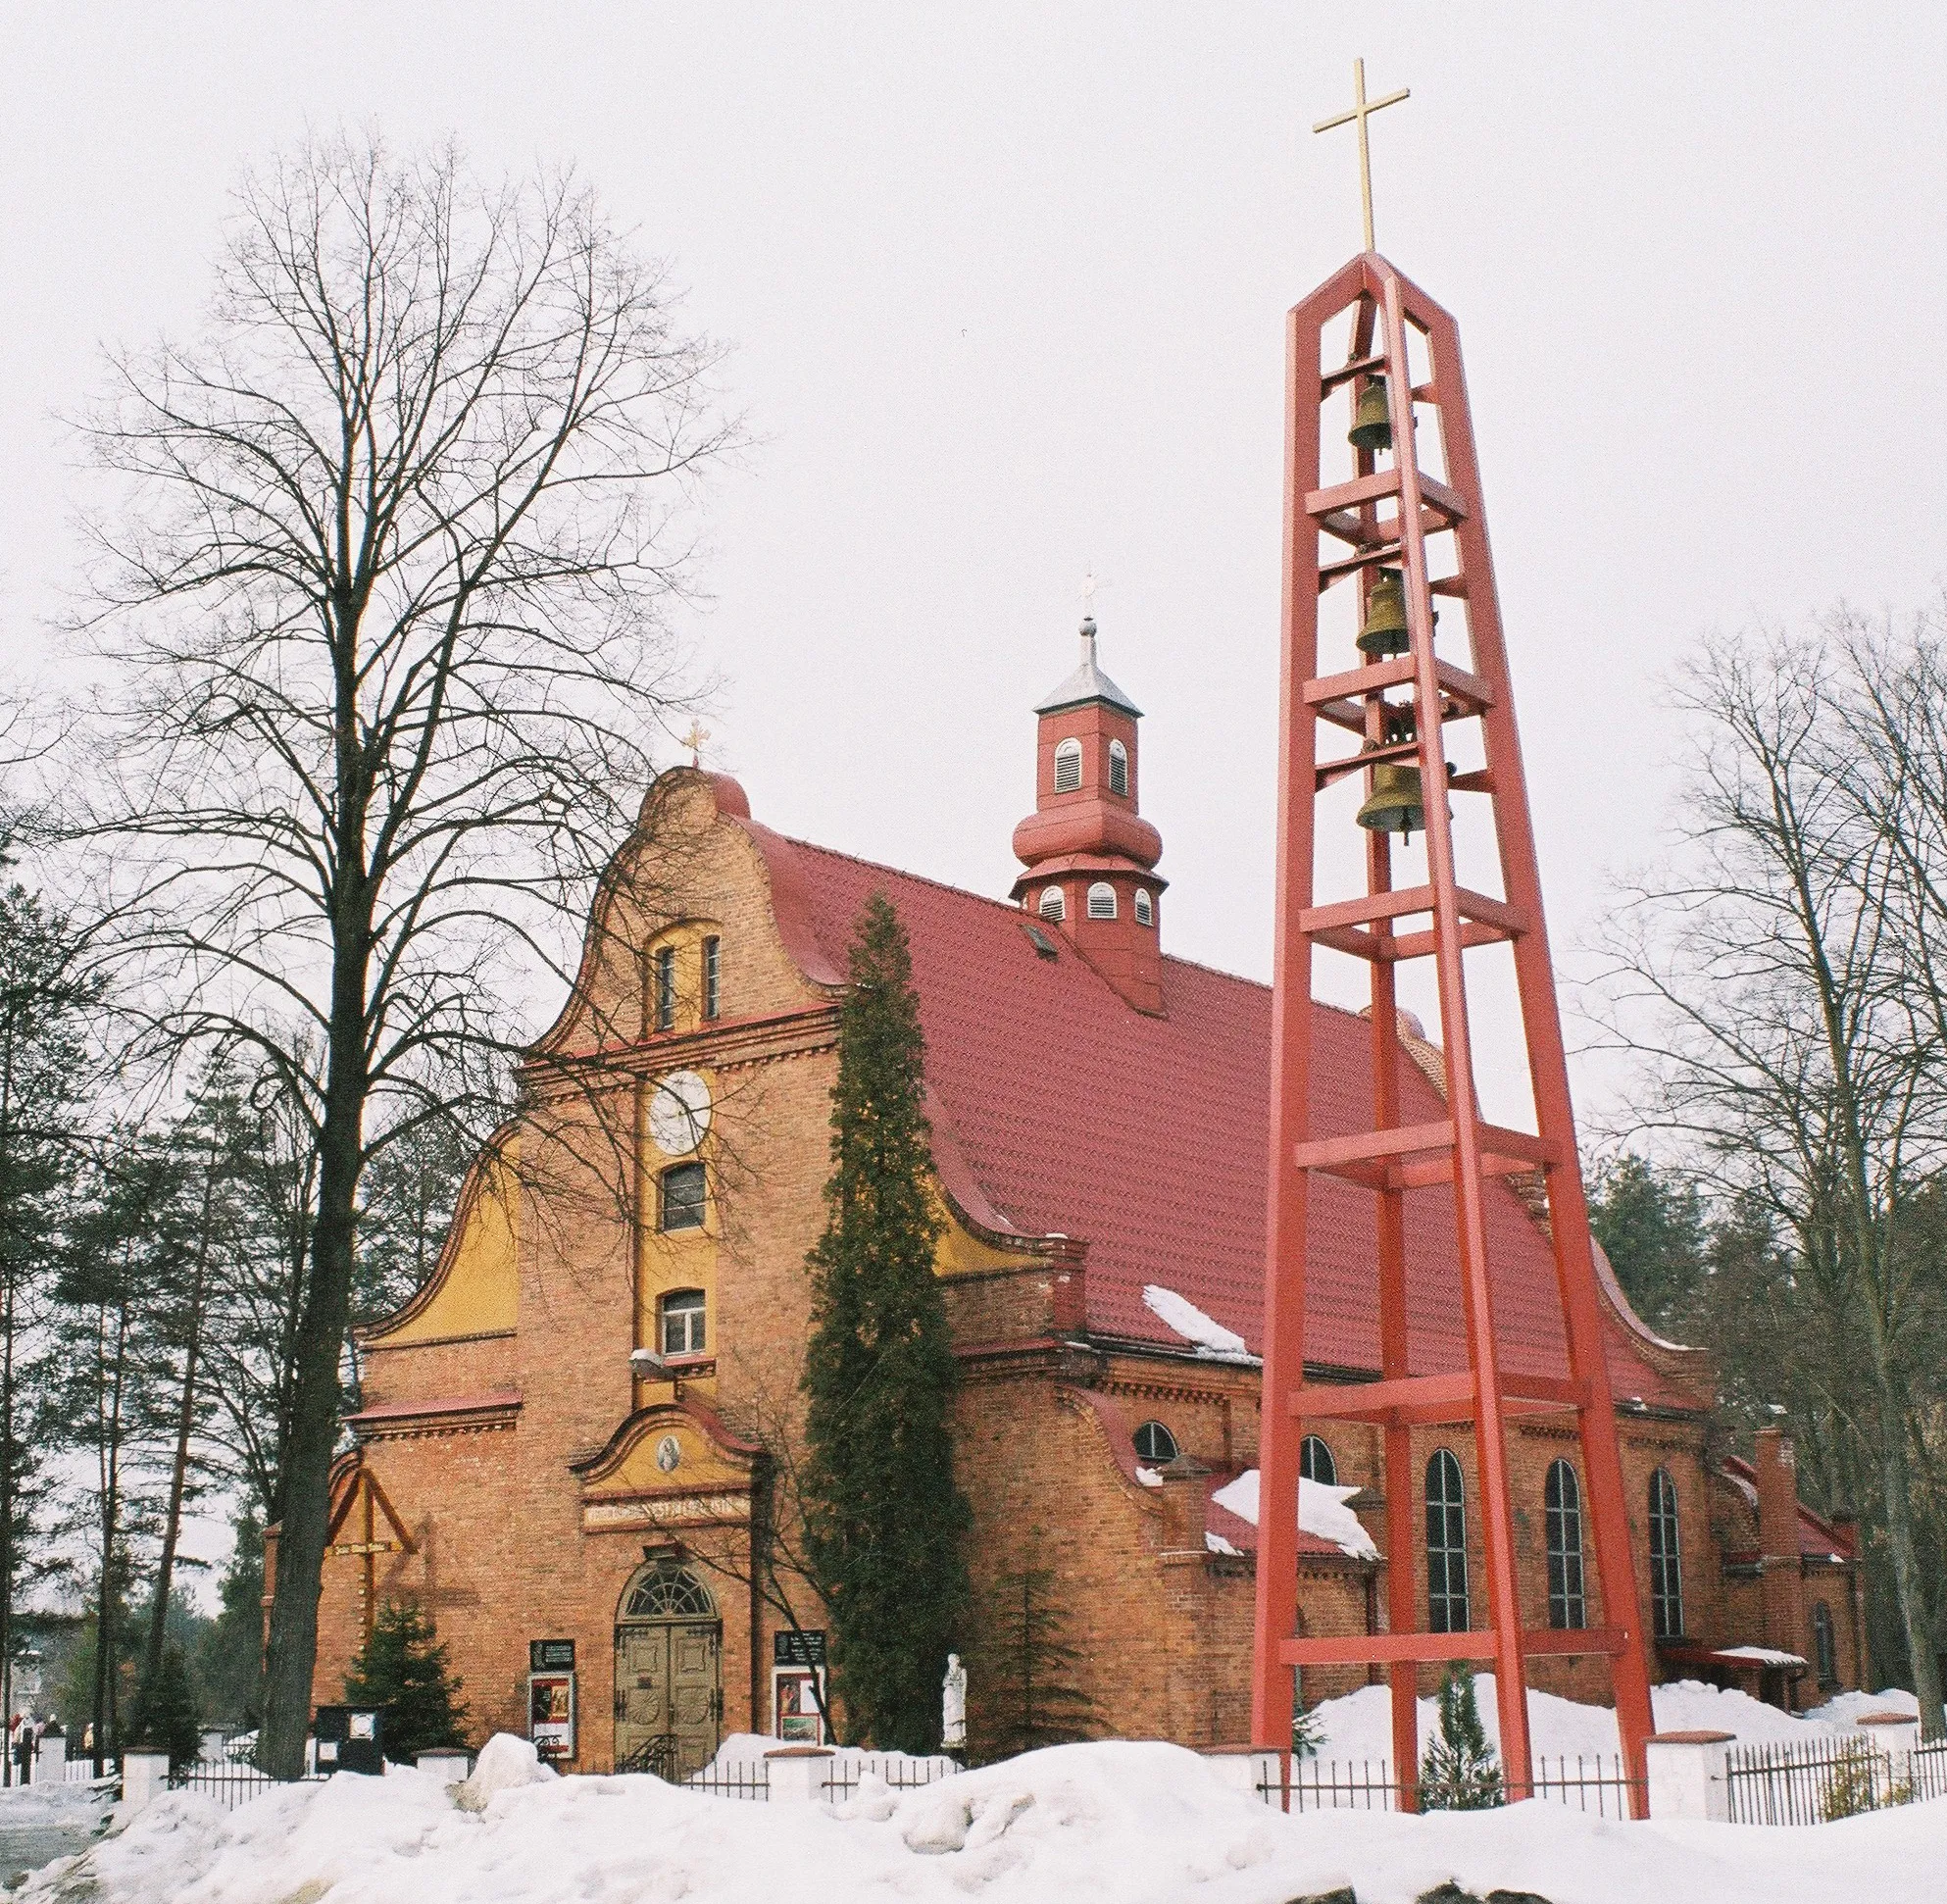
(166, 1713)
(884, 1517)
(1460, 1771)
(402, 1666)
(1024, 1684)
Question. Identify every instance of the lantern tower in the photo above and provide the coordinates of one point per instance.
(1430, 726)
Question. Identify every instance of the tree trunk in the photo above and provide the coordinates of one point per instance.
(185, 1422)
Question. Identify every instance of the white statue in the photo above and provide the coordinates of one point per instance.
(953, 1706)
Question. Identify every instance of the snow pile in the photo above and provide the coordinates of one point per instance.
(749, 1748)
(1181, 1314)
(40, 1808)
(1322, 1512)
(1104, 1824)
(1359, 1727)
(504, 1763)
(1849, 1708)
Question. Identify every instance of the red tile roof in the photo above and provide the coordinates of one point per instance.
(1146, 1137)
(1817, 1535)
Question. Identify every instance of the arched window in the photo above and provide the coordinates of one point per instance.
(1562, 1511)
(1068, 766)
(1446, 1545)
(1825, 1645)
(683, 1331)
(1316, 1462)
(1154, 1443)
(1145, 908)
(663, 1590)
(1666, 1559)
(1119, 769)
(1102, 900)
(683, 1196)
(1053, 905)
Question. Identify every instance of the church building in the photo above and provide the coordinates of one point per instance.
(576, 1444)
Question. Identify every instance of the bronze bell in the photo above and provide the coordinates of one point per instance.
(1372, 421)
(1394, 805)
(1384, 632)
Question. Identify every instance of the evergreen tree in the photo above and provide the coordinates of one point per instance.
(1651, 1224)
(166, 1713)
(1023, 1684)
(402, 1666)
(884, 1517)
(230, 1661)
(1460, 1771)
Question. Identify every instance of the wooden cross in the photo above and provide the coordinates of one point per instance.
(698, 733)
(1362, 110)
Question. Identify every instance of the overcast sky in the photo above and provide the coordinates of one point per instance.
(1005, 285)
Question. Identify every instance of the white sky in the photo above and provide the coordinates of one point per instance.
(1006, 287)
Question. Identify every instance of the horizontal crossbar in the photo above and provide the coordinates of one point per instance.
(1502, 1153)
(1470, 690)
(1430, 1400)
(1384, 1649)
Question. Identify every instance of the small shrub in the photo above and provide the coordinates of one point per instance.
(1460, 1771)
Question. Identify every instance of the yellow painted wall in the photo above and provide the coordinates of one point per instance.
(476, 1291)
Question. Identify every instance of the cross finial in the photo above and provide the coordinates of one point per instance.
(698, 733)
(1362, 110)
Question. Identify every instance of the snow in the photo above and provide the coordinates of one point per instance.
(1189, 1321)
(1359, 1727)
(1322, 1512)
(1149, 1476)
(1849, 1708)
(1099, 1824)
(750, 1748)
(1217, 1545)
(1759, 1655)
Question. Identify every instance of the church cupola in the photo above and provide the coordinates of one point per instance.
(1090, 856)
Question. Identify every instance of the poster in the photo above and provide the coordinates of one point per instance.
(551, 1714)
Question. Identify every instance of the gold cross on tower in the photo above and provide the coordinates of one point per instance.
(698, 733)
(1362, 110)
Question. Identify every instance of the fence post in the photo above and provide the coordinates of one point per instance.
(144, 1776)
(1247, 1769)
(797, 1772)
(1894, 1733)
(1687, 1775)
(50, 1763)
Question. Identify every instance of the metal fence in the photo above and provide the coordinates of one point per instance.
(902, 1775)
(1596, 1784)
(231, 1786)
(1927, 1770)
(1584, 1783)
(1783, 1781)
(740, 1778)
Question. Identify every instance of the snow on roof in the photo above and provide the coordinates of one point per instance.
(1193, 1325)
(1757, 1654)
(1322, 1512)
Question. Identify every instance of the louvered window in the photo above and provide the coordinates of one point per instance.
(1119, 769)
(1101, 900)
(1052, 905)
(1145, 908)
(1068, 766)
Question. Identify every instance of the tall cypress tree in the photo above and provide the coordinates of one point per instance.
(884, 1518)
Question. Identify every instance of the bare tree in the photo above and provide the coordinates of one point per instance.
(1765, 982)
(385, 585)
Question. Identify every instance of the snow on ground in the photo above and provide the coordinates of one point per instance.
(1102, 1824)
(26, 1808)
(1359, 1727)
(746, 1748)
(1321, 1511)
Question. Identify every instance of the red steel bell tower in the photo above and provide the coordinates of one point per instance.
(1430, 716)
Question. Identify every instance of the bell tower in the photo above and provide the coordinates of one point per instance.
(1089, 856)
(1421, 709)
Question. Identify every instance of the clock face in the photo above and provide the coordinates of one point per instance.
(680, 1113)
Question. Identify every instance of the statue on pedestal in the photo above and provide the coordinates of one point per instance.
(953, 1706)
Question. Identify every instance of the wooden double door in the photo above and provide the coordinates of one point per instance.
(669, 1692)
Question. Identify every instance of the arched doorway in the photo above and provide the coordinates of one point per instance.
(668, 1672)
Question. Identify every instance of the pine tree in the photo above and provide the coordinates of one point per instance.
(1022, 1682)
(1460, 1771)
(229, 1657)
(402, 1666)
(884, 1517)
(165, 1712)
